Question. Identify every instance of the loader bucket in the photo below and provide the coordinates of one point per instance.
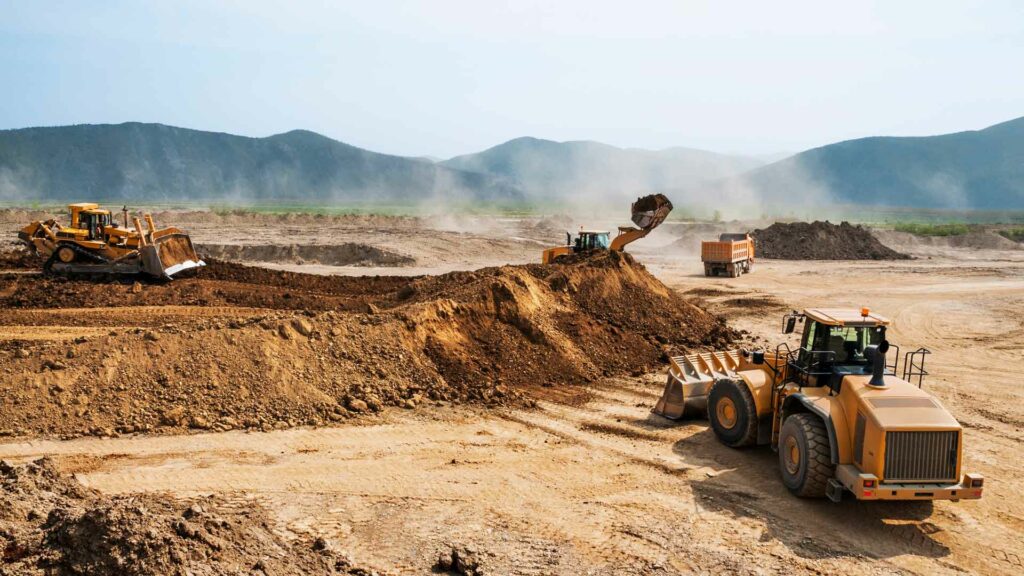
(650, 211)
(170, 254)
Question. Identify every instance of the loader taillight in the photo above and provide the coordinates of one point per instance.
(869, 483)
(977, 482)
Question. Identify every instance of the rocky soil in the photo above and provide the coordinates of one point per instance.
(52, 525)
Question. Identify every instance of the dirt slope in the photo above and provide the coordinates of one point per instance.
(247, 347)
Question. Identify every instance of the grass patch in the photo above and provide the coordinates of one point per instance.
(922, 229)
(1015, 234)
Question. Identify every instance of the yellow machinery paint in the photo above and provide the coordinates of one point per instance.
(839, 417)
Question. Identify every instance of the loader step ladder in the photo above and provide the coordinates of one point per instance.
(690, 378)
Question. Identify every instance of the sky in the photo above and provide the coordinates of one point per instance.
(443, 77)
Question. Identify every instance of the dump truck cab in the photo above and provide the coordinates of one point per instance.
(840, 418)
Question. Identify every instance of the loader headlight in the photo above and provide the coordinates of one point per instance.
(977, 482)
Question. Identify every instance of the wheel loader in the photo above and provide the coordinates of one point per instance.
(648, 213)
(836, 413)
(93, 244)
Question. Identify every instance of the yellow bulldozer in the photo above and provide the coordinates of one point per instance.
(93, 244)
(648, 213)
(840, 419)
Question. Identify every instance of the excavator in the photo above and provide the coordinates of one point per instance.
(93, 244)
(648, 212)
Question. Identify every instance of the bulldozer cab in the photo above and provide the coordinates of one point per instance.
(94, 222)
(591, 240)
(834, 342)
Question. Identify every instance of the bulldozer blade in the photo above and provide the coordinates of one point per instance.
(650, 211)
(169, 255)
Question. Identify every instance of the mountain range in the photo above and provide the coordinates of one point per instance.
(978, 169)
(133, 161)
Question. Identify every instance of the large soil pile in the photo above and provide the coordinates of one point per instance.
(258, 348)
(50, 524)
(820, 241)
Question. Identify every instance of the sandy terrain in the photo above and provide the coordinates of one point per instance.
(604, 487)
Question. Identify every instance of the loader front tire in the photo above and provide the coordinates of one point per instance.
(733, 413)
(805, 458)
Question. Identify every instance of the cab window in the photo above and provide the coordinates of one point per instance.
(848, 342)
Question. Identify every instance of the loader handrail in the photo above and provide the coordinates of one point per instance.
(802, 371)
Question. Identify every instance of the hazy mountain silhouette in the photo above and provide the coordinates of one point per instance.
(982, 169)
(134, 161)
(547, 169)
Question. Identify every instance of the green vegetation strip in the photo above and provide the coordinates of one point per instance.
(921, 229)
(1015, 234)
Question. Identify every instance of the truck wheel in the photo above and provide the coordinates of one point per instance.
(805, 458)
(733, 413)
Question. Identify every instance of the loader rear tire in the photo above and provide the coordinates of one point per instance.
(733, 413)
(805, 458)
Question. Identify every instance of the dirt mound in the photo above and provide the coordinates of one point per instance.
(347, 254)
(19, 259)
(308, 350)
(975, 240)
(50, 524)
(820, 241)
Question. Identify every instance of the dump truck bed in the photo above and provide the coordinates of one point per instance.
(725, 251)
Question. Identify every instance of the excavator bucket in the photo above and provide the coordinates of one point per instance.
(650, 211)
(170, 253)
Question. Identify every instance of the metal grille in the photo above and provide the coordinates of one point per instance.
(921, 456)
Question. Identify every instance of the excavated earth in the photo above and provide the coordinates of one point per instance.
(243, 347)
(51, 524)
(820, 241)
(347, 254)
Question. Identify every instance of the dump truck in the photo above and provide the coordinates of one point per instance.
(92, 243)
(731, 255)
(648, 212)
(840, 419)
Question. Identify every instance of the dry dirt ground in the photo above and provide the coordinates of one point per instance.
(603, 486)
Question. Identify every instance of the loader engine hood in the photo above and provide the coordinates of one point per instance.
(899, 404)
(902, 434)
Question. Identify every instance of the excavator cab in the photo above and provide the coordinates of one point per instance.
(591, 240)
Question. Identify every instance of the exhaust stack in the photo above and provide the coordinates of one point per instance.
(876, 355)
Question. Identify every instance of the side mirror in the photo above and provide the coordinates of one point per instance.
(790, 325)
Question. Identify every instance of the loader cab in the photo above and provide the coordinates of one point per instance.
(591, 240)
(833, 344)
